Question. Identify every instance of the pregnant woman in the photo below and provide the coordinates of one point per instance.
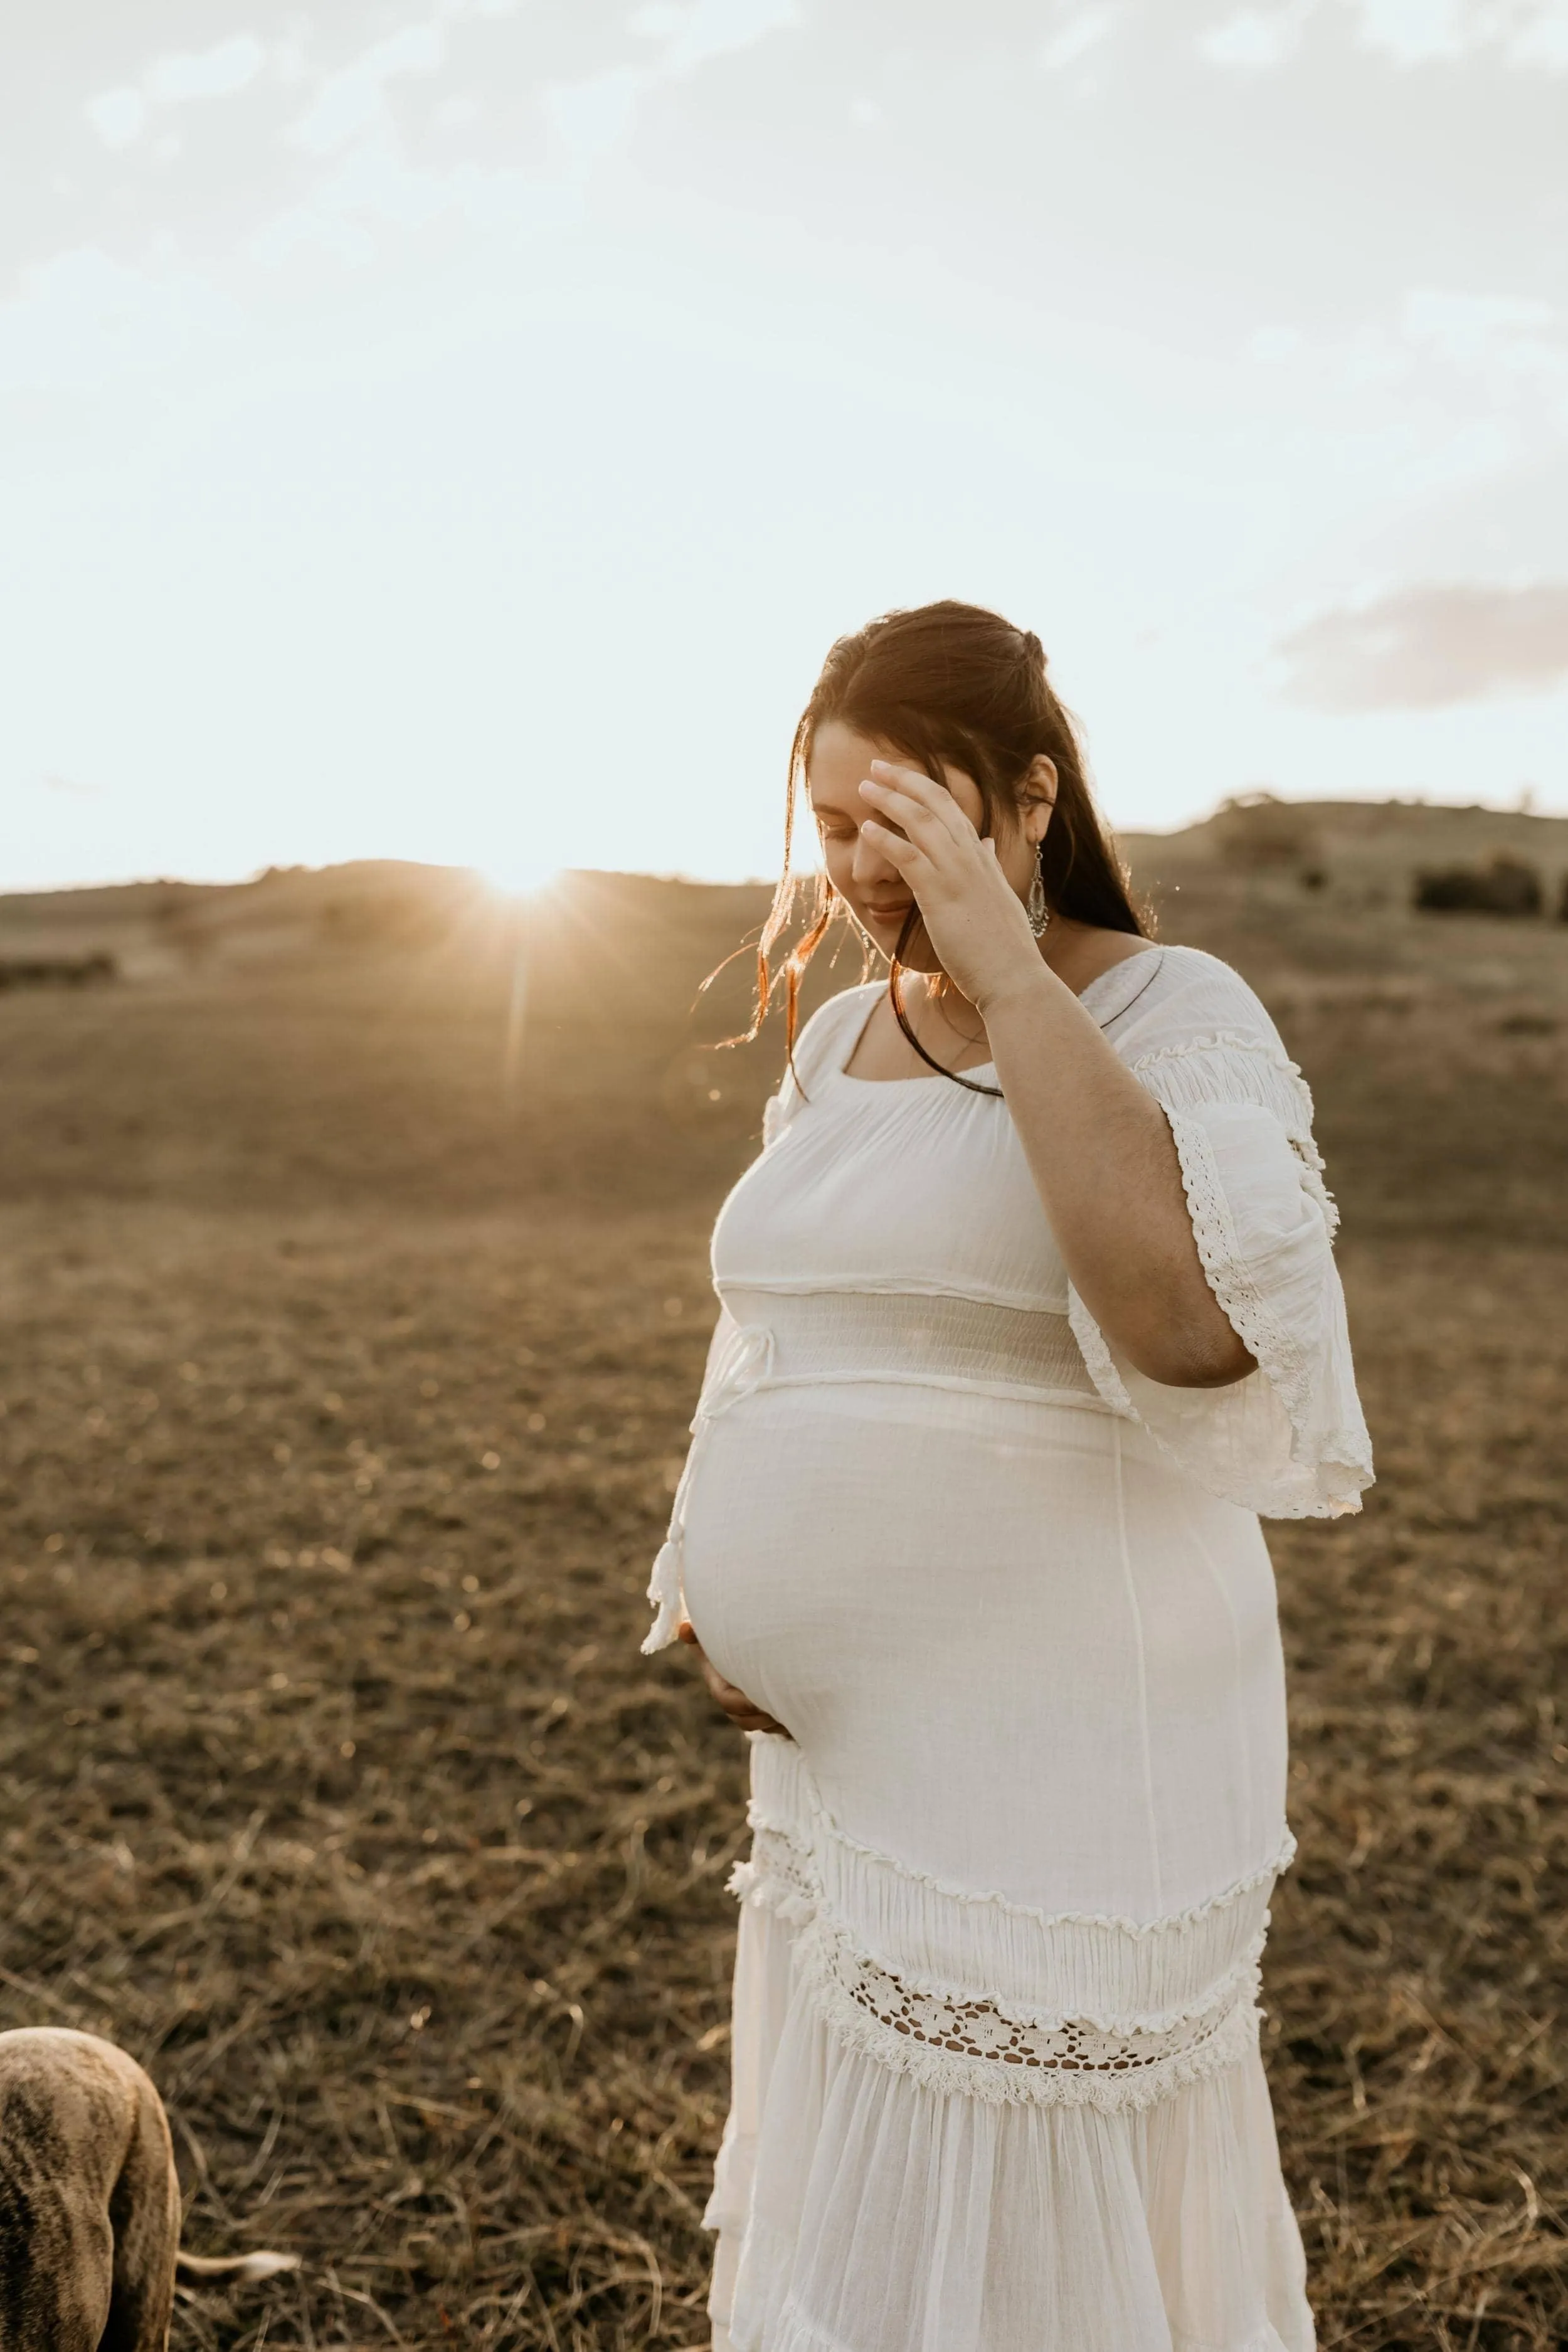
(1029, 1312)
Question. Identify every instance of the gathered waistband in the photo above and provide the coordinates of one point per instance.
(799, 1338)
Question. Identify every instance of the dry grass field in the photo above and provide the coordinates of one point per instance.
(353, 1307)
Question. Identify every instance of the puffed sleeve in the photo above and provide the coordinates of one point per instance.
(1288, 1441)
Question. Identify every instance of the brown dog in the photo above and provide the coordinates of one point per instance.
(89, 2203)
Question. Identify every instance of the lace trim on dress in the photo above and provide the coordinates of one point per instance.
(969, 2048)
(1281, 1358)
(1264, 1875)
(1279, 1352)
(1238, 1041)
(781, 1876)
(952, 2042)
(1320, 1462)
(1302, 1493)
(995, 2000)
(786, 1801)
(1201, 1070)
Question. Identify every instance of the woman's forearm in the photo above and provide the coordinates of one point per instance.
(1098, 1145)
(1105, 1164)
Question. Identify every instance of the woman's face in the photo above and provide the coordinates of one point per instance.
(874, 890)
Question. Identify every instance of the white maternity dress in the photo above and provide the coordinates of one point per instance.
(996, 2083)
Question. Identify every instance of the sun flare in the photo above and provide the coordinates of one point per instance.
(518, 876)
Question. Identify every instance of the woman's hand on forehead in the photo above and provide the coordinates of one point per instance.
(974, 917)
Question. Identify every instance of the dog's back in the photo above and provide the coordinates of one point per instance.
(89, 2204)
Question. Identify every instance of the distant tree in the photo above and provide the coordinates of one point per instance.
(1507, 886)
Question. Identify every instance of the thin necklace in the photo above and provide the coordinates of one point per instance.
(973, 1085)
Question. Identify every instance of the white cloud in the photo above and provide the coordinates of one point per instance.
(700, 29)
(1424, 648)
(1542, 38)
(1075, 40)
(216, 73)
(1257, 38)
(350, 101)
(1411, 32)
(591, 117)
(1418, 32)
(118, 116)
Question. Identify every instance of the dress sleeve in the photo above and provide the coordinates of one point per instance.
(1288, 1441)
(821, 1048)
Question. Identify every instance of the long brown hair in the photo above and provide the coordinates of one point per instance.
(951, 684)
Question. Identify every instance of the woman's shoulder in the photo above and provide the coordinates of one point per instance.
(850, 1007)
(1197, 1034)
(824, 1042)
(1182, 994)
(836, 1009)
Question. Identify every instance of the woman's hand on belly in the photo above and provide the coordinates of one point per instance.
(742, 1712)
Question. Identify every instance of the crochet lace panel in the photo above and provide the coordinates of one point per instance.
(953, 2043)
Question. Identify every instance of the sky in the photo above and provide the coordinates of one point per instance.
(455, 430)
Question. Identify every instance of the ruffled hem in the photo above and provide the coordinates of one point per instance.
(989, 1996)
(860, 2208)
(799, 2336)
(1033, 1969)
(795, 2333)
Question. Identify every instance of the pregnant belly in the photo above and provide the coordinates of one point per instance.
(1002, 1621)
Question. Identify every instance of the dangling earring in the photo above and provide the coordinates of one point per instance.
(1035, 904)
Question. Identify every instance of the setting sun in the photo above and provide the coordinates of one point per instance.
(518, 876)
